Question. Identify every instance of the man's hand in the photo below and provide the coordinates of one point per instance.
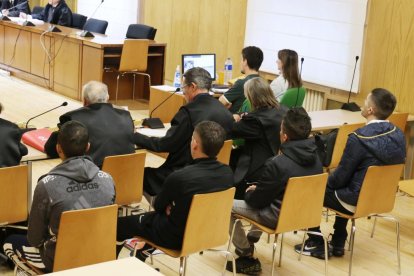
(251, 188)
(168, 210)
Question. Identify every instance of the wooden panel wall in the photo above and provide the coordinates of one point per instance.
(388, 59)
(205, 26)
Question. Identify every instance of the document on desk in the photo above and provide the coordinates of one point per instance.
(159, 132)
(22, 20)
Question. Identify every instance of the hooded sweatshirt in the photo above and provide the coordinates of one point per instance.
(376, 144)
(297, 158)
(77, 183)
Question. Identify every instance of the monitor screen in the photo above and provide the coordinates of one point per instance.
(206, 61)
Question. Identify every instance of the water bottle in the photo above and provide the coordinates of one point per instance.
(228, 71)
(177, 77)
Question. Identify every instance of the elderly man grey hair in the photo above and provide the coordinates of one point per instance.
(95, 92)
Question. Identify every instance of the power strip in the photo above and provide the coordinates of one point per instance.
(4, 73)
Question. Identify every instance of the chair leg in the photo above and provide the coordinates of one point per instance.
(327, 215)
(281, 248)
(325, 243)
(117, 87)
(351, 244)
(303, 244)
(182, 264)
(268, 238)
(373, 227)
(133, 88)
(273, 257)
(397, 224)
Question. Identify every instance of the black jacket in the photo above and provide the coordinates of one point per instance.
(110, 131)
(372, 145)
(61, 14)
(297, 158)
(15, 12)
(261, 131)
(11, 150)
(204, 175)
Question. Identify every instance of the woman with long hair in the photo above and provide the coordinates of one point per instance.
(260, 128)
(288, 66)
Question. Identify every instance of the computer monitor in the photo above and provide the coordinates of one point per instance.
(206, 61)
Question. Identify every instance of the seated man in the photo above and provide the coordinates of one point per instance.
(165, 226)
(58, 191)
(56, 12)
(252, 58)
(13, 8)
(378, 143)
(200, 107)
(110, 129)
(11, 150)
(263, 199)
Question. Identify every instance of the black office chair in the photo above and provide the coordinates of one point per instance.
(96, 26)
(140, 31)
(37, 9)
(78, 20)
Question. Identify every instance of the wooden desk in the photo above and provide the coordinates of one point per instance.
(124, 267)
(74, 60)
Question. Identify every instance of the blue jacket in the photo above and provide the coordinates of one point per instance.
(375, 144)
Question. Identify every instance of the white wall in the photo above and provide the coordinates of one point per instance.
(327, 33)
(119, 13)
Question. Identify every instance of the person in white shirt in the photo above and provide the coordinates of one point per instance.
(287, 64)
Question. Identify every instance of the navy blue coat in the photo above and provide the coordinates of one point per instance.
(375, 144)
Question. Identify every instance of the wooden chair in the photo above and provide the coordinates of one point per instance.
(407, 186)
(399, 120)
(224, 155)
(86, 237)
(377, 196)
(340, 143)
(207, 227)
(134, 59)
(127, 171)
(294, 216)
(14, 184)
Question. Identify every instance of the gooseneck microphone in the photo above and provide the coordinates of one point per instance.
(86, 33)
(156, 122)
(352, 106)
(63, 104)
(300, 78)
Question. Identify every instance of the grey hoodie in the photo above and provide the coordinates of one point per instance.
(77, 183)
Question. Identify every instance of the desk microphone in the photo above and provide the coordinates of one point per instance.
(6, 18)
(352, 106)
(63, 104)
(300, 78)
(156, 122)
(86, 33)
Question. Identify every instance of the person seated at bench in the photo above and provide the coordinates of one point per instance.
(165, 226)
(76, 183)
(55, 12)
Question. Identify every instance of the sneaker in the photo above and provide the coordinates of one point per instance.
(246, 252)
(311, 247)
(246, 265)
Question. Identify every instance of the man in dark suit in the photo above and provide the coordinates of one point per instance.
(200, 107)
(110, 129)
(11, 150)
(165, 226)
(55, 12)
(13, 8)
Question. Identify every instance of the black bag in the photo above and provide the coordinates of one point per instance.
(325, 144)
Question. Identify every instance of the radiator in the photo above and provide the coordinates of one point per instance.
(313, 100)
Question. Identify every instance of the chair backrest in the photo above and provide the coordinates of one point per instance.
(127, 171)
(340, 143)
(141, 31)
(86, 237)
(378, 190)
(309, 191)
(291, 98)
(14, 193)
(37, 9)
(96, 26)
(78, 20)
(399, 120)
(224, 155)
(134, 55)
(208, 221)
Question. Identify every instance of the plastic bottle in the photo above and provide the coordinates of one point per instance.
(177, 77)
(228, 71)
